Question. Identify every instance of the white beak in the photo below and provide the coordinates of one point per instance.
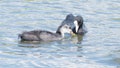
(76, 25)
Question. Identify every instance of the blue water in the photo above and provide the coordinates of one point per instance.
(99, 48)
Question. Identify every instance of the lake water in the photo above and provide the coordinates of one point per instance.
(99, 48)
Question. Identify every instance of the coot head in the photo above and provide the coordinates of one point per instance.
(62, 29)
(79, 25)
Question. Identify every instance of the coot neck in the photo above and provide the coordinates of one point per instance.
(80, 26)
(60, 33)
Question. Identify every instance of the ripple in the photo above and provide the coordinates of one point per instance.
(99, 48)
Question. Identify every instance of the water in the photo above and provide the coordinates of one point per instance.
(99, 48)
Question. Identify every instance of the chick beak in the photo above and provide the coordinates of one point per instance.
(72, 33)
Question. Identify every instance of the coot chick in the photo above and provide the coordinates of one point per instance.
(42, 35)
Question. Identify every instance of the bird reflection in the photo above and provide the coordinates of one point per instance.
(77, 39)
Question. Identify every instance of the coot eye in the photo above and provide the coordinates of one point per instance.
(66, 27)
(69, 27)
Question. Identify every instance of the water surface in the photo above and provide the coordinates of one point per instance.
(99, 48)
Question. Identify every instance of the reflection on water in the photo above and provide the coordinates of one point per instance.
(99, 48)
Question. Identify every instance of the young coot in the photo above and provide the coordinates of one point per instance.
(41, 35)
